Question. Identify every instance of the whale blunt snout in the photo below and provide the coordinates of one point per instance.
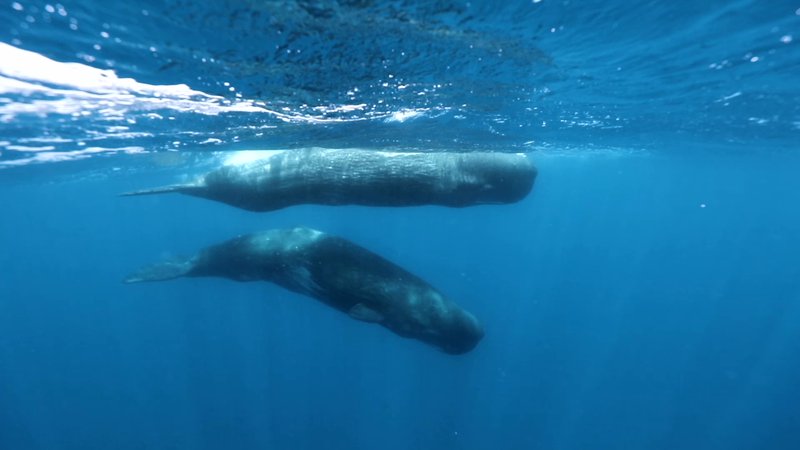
(463, 336)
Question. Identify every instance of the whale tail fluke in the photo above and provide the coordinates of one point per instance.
(161, 271)
(160, 190)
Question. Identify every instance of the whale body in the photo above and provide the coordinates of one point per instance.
(363, 177)
(338, 273)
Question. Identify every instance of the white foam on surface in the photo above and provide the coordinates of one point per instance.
(406, 114)
(30, 66)
(79, 89)
(89, 104)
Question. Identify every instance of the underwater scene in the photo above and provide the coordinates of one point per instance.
(399, 224)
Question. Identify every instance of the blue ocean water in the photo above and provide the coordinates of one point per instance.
(645, 295)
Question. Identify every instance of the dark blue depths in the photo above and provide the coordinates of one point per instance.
(641, 301)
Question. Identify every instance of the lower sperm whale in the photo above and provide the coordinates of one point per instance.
(340, 274)
(364, 177)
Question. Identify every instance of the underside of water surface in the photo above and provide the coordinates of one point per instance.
(78, 81)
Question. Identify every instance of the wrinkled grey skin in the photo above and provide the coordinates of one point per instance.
(364, 177)
(340, 274)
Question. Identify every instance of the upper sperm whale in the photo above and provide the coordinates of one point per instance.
(364, 177)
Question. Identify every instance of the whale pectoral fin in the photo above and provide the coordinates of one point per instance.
(361, 312)
(160, 271)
